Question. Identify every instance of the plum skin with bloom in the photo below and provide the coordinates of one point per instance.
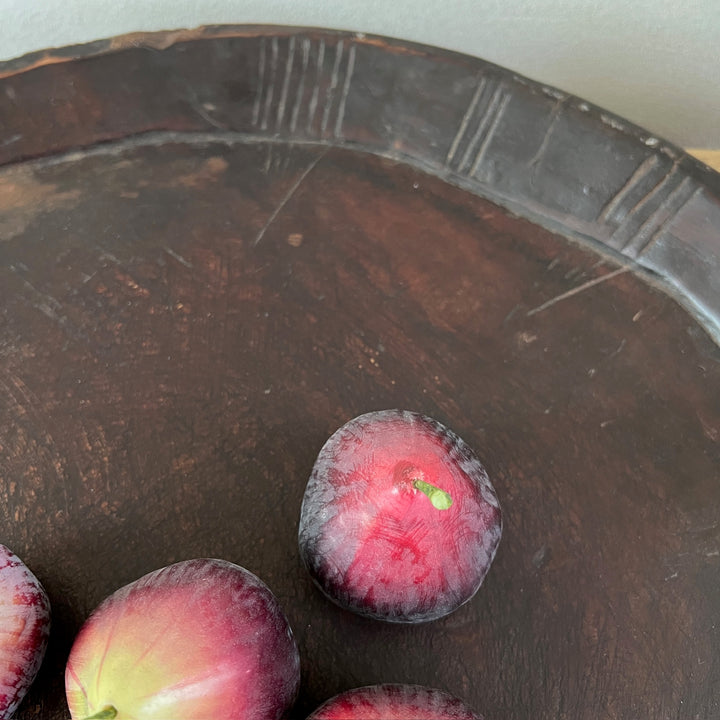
(394, 701)
(399, 520)
(201, 639)
(24, 630)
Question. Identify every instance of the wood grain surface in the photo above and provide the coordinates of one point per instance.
(208, 264)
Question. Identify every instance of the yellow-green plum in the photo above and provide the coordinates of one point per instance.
(200, 639)
(24, 630)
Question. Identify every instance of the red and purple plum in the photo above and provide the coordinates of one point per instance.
(198, 640)
(399, 520)
(394, 702)
(24, 630)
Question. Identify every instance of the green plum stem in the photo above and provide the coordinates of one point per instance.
(107, 713)
(439, 498)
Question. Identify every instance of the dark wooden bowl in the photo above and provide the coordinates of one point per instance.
(218, 246)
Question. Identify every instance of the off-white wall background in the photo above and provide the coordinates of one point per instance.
(654, 62)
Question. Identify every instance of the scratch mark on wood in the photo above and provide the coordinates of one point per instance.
(178, 257)
(479, 130)
(300, 90)
(286, 83)
(646, 167)
(547, 135)
(27, 403)
(261, 83)
(268, 160)
(9, 141)
(512, 312)
(47, 304)
(657, 188)
(312, 108)
(627, 239)
(288, 195)
(660, 187)
(498, 110)
(618, 349)
(106, 255)
(460, 134)
(51, 308)
(349, 69)
(270, 91)
(578, 289)
(675, 202)
(487, 125)
(334, 77)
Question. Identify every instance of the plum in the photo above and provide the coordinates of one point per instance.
(399, 520)
(200, 639)
(394, 701)
(24, 630)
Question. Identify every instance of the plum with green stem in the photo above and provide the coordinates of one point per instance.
(399, 520)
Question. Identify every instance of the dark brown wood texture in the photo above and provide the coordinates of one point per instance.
(210, 261)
